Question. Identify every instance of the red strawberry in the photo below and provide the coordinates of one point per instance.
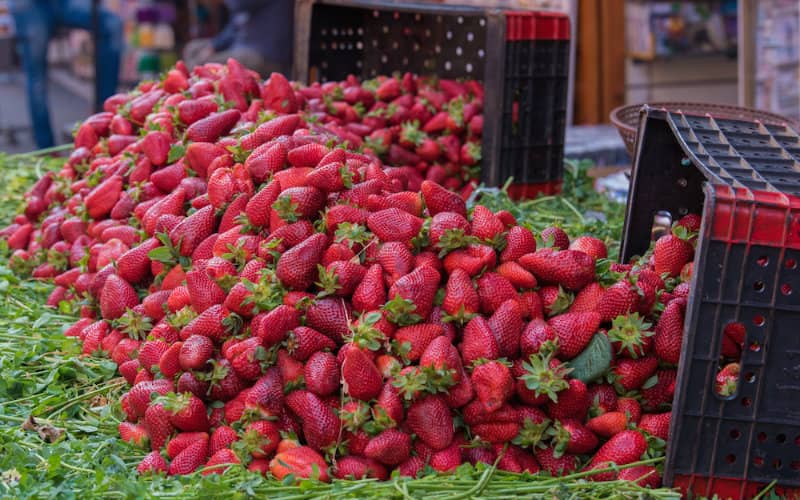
(191, 110)
(417, 287)
(460, 299)
(618, 299)
(573, 437)
(304, 341)
(320, 424)
(574, 331)
(631, 374)
(370, 293)
(588, 299)
(506, 324)
(215, 323)
(153, 462)
(330, 316)
(573, 402)
(278, 95)
(569, 268)
(321, 373)
(495, 432)
(656, 424)
(200, 155)
(418, 338)
(591, 246)
(302, 202)
(190, 459)
(631, 408)
(727, 380)
(222, 437)
(134, 265)
(220, 462)
(493, 384)
(517, 275)
(669, 333)
(442, 356)
(192, 230)
(643, 475)
(390, 447)
(212, 127)
(494, 290)
(273, 326)
(430, 419)
(622, 449)
(281, 125)
(102, 198)
(157, 422)
(629, 336)
(302, 462)
(555, 237)
(297, 267)
(134, 434)
(556, 466)
(608, 424)
(485, 225)
(183, 440)
(536, 336)
(261, 438)
(670, 254)
(155, 145)
(519, 241)
(479, 341)
(362, 379)
(448, 459)
(393, 224)
(117, 296)
(360, 468)
(439, 199)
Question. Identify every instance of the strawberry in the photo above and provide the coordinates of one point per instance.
(190, 459)
(304, 341)
(460, 299)
(495, 432)
(485, 225)
(494, 290)
(619, 299)
(668, 336)
(631, 408)
(479, 341)
(430, 419)
(278, 95)
(361, 378)
(134, 265)
(301, 462)
(261, 438)
(281, 125)
(341, 278)
(155, 145)
(540, 379)
(604, 398)
(157, 422)
(297, 267)
(569, 268)
(537, 336)
(201, 155)
(608, 424)
(438, 199)
(623, 448)
(192, 110)
(670, 254)
(411, 467)
(354, 467)
(153, 463)
(393, 224)
(183, 440)
(574, 331)
(212, 127)
(506, 324)
(390, 447)
(519, 241)
(727, 380)
(573, 437)
(102, 198)
(134, 434)
(643, 475)
(573, 402)
(321, 373)
(273, 326)
(448, 459)
(631, 374)
(473, 259)
(630, 336)
(388, 90)
(588, 299)
(418, 338)
(493, 384)
(370, 294)
(220, 462)
(320, 424)
(555, 237)
(330, 316)
(222, 437)
(193, 230)
(590, 245)
(656, 424)
(415, 291)
(117, 296)
(557, 466)
(302, 202)
(215, 323)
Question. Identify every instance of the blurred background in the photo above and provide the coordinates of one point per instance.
(744, 52)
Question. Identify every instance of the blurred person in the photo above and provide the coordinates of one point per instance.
(36, 21)
(258, 34)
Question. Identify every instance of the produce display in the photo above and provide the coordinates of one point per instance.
(288, 282)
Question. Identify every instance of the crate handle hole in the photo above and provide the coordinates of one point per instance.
(786, 289)
(763, 261)
(759, 320)
(762, 436)
(683, 182)
(746, 402)
(662, 222)
(755, 346)
(780, 438)
(777, 464)
(759, 286)
(750, 377)
(736, 433)
(730, 458)
(758, 461)
(795, 464)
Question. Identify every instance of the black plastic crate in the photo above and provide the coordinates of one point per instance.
(522, 58)
(744, 178)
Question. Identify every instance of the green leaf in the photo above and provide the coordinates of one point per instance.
(176, 152)
(593, 361)
(161, 254)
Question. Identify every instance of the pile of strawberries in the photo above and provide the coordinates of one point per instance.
(279, 298)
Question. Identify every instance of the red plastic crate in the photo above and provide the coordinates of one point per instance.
(744, 178)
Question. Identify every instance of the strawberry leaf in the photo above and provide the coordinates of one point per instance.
(176, 152)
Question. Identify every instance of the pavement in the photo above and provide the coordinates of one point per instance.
(67, 106)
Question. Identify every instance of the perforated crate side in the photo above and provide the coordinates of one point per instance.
(746, 272)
